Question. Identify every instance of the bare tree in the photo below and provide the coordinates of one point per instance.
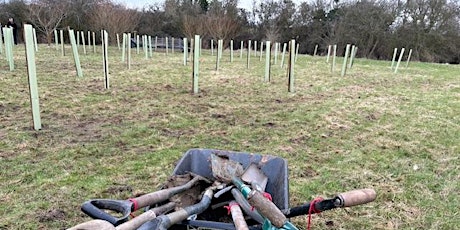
(222, 27)
(193, 24)
(46, 15)
(267, 13)
(114, 18)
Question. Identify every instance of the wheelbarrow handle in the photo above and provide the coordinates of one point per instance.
(356, 197)
(95, 209)
(163, 222)
(129, 225)
(346, 199)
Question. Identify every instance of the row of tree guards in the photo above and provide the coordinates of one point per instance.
(147, 46)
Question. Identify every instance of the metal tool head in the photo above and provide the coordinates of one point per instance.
(224, 169)
(253, 175)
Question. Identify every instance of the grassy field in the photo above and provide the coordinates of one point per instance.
(396, 133)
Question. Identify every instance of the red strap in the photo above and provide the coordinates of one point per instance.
(312, 210)
(268, 196)
(134, 201)
(229, 207)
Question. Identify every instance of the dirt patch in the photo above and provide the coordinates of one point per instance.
(117, 189)
(51, 215)
(186, 198)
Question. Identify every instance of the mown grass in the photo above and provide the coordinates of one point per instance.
(396, 133)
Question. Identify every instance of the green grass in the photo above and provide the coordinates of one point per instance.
(396, 133)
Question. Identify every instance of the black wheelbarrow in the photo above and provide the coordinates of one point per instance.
(198, 161)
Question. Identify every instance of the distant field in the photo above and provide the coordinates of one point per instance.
(396, 133)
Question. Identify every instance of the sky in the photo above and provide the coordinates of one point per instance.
(247, 4)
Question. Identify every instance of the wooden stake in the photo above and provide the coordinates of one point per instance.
(32, 76)
(328, 53)
(316, 50)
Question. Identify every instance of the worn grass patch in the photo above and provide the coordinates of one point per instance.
(396, 133)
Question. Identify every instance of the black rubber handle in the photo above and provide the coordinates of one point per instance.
(346, 199)
(95, 209)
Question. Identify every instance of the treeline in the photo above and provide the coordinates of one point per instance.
(430, 27)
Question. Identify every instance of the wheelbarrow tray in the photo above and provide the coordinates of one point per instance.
(198, 161)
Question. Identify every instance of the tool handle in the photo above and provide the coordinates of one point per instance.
(93, 224)
(146, 216)
(163, 195)
(95, 209)
(237, 216)
(356, 197)
(267, 208)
